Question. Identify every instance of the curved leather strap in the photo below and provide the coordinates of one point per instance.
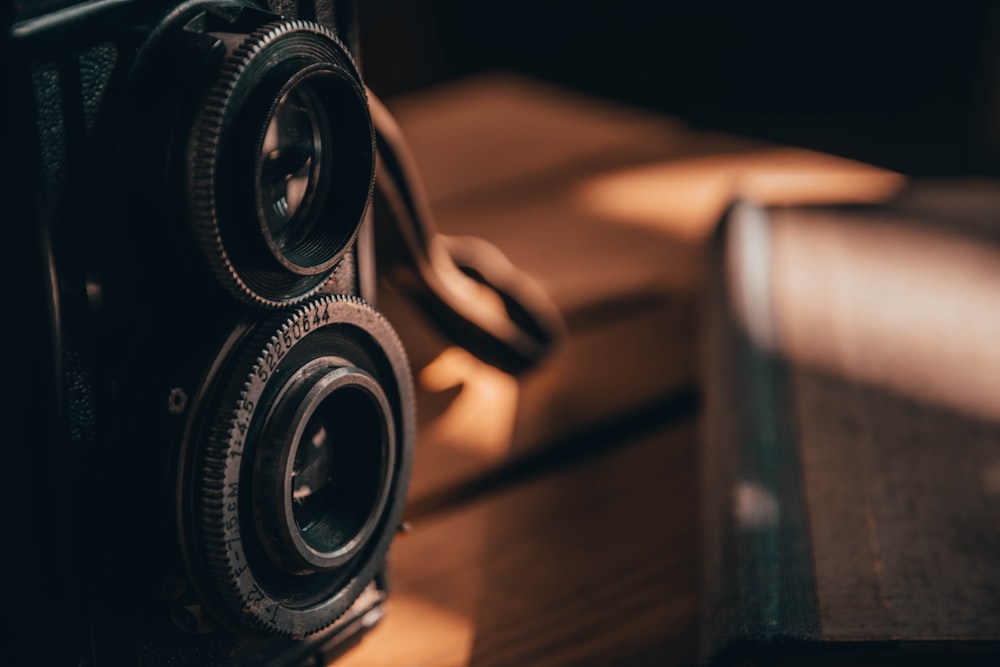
(478, 298)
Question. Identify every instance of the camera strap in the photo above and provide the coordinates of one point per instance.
(467, 286)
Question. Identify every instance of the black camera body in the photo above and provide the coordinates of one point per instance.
(212, 430)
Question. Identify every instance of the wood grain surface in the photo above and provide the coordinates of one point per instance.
(595, 564)
(608, 207)
(555, 517)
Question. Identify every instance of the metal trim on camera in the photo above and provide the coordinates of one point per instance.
(320, 509)
(281, 162)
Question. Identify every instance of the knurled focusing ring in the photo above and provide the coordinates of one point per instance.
(282, 163)
(268, 565)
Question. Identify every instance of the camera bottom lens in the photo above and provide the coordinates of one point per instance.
(301, 468)
(336, 474)
(324, 465)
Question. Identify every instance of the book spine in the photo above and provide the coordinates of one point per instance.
(759, 587)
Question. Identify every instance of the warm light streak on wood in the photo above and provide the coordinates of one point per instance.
(909, 308)
(414, 633)
(685, 197)
(482, 416)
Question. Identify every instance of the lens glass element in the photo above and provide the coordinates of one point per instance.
(313, 474)
(289, 168)
(338, 469)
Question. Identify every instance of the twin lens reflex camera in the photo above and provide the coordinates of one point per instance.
(211, 431)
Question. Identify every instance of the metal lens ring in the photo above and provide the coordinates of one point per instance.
(283, 163)
(304, 465)
(324, 465)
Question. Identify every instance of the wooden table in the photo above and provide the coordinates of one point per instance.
(555, 515)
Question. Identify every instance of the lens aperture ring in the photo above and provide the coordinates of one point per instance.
(340, 353)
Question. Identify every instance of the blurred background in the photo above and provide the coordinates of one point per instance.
(914, 87)
(598, 145)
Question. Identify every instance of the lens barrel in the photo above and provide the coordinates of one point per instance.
(300, 461)
(324, 466)
(282, 163)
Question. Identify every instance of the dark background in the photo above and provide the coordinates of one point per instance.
(914, 87)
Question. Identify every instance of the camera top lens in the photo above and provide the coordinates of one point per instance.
(282, 163)
(289, 169)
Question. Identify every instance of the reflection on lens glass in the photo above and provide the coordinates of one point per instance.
(338, 471)
(289, 164)
(312, 475)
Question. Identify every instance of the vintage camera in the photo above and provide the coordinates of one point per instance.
(209, 429)
(213, 430)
